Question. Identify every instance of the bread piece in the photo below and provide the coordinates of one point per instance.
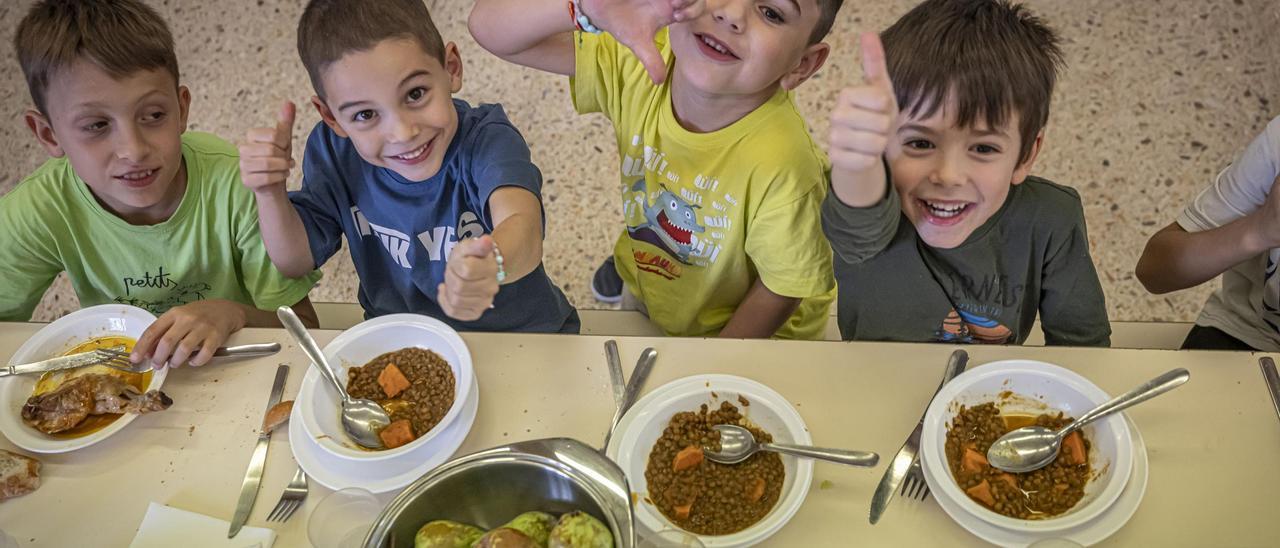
(19, 474)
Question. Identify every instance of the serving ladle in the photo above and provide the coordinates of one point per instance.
(1034, 447)
(738, 444)
(362, 419)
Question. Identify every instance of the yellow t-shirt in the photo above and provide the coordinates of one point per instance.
(709, 213)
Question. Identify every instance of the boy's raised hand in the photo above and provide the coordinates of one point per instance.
(470, 279)
(861, 125)
(633, 23)
(266, 157)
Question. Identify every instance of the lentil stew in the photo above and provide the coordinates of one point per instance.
(414, 386)
(1039, 494)
(705, 497)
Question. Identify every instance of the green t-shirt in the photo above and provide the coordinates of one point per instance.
(209, 249)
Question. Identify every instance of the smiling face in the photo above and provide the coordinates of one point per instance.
(953, 179)
(745, 47)
(122, 136)
(394, 101)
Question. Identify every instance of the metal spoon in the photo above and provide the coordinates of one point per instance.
(737, 444)
(1034, 447)
(362, 419)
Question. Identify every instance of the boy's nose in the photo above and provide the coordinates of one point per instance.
(728, 13)
(131, 145)
(402, 131)
(947, 173)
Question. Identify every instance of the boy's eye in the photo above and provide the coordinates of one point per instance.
(416, 94)
(155, 116)
(363, 116)
(919, 144)
(771, 14)
(986, 149)
(95, 126)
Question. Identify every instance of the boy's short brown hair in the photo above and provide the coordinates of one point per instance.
(994, 57)
(827, 11)
(330, 29)
(119, 36)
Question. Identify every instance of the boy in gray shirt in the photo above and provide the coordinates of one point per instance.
(967, 247)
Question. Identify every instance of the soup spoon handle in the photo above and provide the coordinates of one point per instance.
(839, 456)
(1148, 390)
(299, 332)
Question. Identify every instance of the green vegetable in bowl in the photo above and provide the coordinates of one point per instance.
(535, 525)
(580, 530)
(505, 537)
(446, 534)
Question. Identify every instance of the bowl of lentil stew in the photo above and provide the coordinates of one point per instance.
(1028, 391)
(645, 442)
(428, 353)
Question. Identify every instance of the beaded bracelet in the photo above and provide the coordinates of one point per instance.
(580, 20)
(497, 255)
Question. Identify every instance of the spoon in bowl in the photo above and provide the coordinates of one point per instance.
(738, 444)
(1034, 447)
(362, 419)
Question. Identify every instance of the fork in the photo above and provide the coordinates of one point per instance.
(292, 498)
(914, 485)
(118, 359)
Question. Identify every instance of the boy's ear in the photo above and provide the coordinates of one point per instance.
(812, 60)
(327, 115)
(1021, 172)
(453, 64)
(39, 125)
(184, 105)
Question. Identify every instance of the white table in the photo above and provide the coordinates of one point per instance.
(1214, 444)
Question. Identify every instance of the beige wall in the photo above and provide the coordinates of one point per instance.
(1158, 96)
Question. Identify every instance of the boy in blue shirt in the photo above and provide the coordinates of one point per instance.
(438, 199)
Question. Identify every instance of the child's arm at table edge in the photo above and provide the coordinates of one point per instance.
(760, 315)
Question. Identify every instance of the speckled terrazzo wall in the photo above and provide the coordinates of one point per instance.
(1158, 96)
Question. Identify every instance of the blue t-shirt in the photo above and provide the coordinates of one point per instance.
(401, 231)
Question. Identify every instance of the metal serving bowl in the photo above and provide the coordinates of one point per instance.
(488, 488)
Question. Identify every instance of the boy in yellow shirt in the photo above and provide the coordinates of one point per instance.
(721, 184)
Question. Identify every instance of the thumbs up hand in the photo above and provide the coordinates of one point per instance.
(862, 123)
(470, 279)
(266, 157)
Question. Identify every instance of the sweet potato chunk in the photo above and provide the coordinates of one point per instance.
(396, 434)
(1073, 448)
(755, 490)
(392, 381)
(982, 493)
(682, 512)
(687, 458)
(973, 461)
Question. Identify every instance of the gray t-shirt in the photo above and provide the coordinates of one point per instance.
(1247, 306)
(1031, 257)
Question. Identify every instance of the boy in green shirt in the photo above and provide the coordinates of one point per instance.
(131, 208)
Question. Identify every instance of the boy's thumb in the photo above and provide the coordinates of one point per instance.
(284, 121)
(653, 62)
(874, 69)
(477, 247)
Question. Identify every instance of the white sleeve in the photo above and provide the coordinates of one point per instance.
(1239, 189)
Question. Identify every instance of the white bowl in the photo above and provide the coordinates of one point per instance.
(321, 410)
(55, 339)
(643, 425)
(1043, 387)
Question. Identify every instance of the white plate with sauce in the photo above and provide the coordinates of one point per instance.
(59, 338)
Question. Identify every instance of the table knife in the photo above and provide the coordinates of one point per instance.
(1273, 380)
(901, 461)
(253, 475)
